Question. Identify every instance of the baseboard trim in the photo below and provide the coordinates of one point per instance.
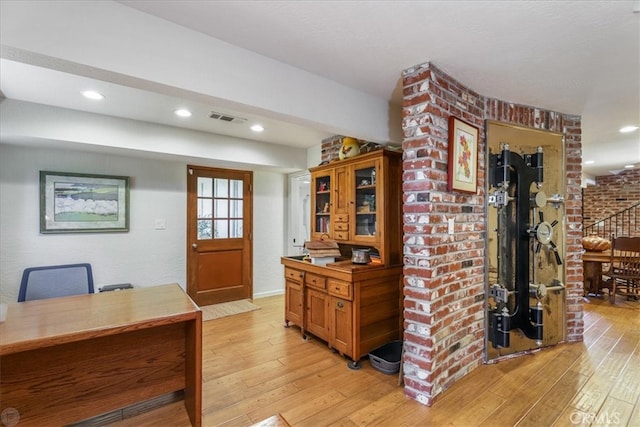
(268, 294)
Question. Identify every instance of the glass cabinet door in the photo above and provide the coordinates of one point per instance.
(322, 206)
(366, 203)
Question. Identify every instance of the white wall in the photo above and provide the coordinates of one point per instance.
(144, 256)
(269, 204)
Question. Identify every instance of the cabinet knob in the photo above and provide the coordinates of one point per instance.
(340, 304)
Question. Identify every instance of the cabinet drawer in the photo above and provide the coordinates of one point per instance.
(291, 274)
(315, 281)
(342, 218)
(341, 235)
(340, 289)
(342, 226)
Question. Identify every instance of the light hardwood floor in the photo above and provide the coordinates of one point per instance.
(254, 368)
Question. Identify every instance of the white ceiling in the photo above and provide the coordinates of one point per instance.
(573, 57)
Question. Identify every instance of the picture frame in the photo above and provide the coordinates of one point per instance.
(83, 203)
(463, 156)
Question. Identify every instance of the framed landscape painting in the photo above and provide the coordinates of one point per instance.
(463, 156)
(83, 203)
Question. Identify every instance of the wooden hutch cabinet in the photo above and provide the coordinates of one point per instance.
(359, 202)
(354, 308)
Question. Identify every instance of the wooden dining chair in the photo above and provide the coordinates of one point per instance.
(623, 276)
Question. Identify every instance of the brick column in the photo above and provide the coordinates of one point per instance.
(444, 274)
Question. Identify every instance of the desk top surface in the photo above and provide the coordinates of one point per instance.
(41, 323)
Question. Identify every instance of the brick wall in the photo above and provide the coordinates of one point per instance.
(444, 274)
(330, 147)
(610, 195)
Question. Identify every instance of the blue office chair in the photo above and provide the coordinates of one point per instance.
(55, 281)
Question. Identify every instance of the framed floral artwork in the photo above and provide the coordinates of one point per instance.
(463, 156)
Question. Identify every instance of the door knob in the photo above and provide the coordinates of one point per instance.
(194, 245)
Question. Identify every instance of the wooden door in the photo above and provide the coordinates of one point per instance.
(366, 225)
(219, 235)
(341, 204)
(341, 326)
(293, 303)
(341, 187)
(321, 185)
(317, 319)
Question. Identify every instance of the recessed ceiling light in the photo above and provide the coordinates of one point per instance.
(629, 166)
(589, 162)
(628, 129)
(92, 94)
(257, 128)
(183, 113)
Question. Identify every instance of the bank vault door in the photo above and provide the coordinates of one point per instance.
(525, 300)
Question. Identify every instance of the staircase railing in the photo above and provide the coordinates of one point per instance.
(623, 223)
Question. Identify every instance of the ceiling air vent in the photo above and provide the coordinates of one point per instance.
(226, 118)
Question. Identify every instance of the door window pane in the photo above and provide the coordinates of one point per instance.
(221, 229)
(222, 209)
(204, 187)
(366, 225)
(236, 189)
(204, 229)
(204, 208)
(221, 187)
(236, 209)
(236, 228)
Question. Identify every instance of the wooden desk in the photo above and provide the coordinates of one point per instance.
(63, 360)
(592, 270)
